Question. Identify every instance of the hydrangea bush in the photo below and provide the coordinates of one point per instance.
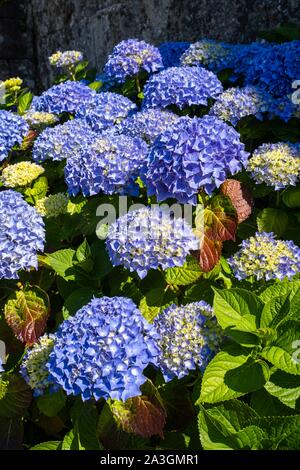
(150, 249)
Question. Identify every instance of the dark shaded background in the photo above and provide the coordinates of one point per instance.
(30, 30)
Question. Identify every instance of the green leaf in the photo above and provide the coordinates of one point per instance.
(83, 252)
(37, 191)
(281, 359)
(185, 275)
(15, 396)
(280, 289)
(49, 445)
(155, 301)
(69, 442)
(85, 427)
(281, 430)
(51, 404)
(26, 312)
(78, 299)
(285, 387)
(24, 102)
(237, 308)
(272, 220)
(102, 265)
(229, 376)
(275, 310)
(291, 197)
(200, 291)
(268, 405)
(61, 261)
(95, 85)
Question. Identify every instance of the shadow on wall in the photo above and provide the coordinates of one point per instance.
(31, 30)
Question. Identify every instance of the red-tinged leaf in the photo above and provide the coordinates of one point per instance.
(209, 253)
(240, 197)
(29, 140)
(220, 219)
(143, 416)
(26, 312)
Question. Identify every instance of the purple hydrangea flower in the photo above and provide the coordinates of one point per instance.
(193, 153)
(189, 338)
(105, 110)
(171, 52)
(22, 235)
(63, 98)
(149, 238)
(148, 124)
(103, 350)
(264, 257)
(110, 164)
(62, 141)
(13, 129)
(130, 57)
(181, 86)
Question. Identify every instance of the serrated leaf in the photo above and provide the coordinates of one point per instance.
(155, 301)
(280, 289)
(48, 445)
(285, 387)
(272, 220)
(281, 359)
(83, 252)
(230, 376)
(275, 310)
(141, 415)
(61, 261)
(209, 253)
(185, 275)
(220, 219)
(237, 308)
(51, 403)
(15, 396)
(240, 197)
(26, 312)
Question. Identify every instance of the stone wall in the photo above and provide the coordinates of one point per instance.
(16, 41)
(94, 26)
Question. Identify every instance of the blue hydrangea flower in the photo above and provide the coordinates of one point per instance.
(22, 235)
(13, 129)
(130, 57)
(33, 368)
(110, 164)
(171, 52)
(103, 350)
(193, 153)
(236, 103)
(62, 141)
(213, 55)
(264, 257)
(148, 124)
(243, 56)
(189, 338)
(63, 98)
(276, 68)
(105, 110)
(149, 238)
(181, 86)
(282, 108)
(276, 165)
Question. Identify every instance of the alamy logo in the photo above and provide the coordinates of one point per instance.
(2, 352)
(295, 98)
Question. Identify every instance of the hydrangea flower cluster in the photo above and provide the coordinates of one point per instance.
(181, 86)
(62, 141)
(189, 338)
(13, 85)
(277, 165)
(53, 205)
(236, 103)
(130, 57)
(264, 257)
(63, 98)
(243, 56)
(193, 153)
(65, 59)
(148, 124)
(33, 368)
(211, 54)
(103, 350)
(13, 129)
(276, 68)
(40, 119)
(105, 110)
(171, 52)
(20, 174)
(110, 164)
(149, 238)
(22, 235)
